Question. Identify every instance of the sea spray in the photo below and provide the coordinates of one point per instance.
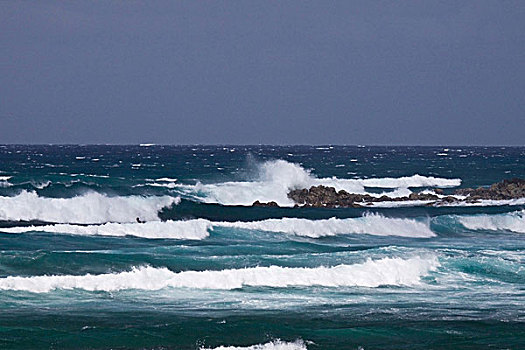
(277, 177)
(89, 208)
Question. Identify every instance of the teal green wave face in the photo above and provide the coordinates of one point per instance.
(159, 247)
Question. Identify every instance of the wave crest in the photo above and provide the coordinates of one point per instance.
(192, 229)
(89, 208)
(371, 273)
(372, 224)
(514, 222)
(273, 345)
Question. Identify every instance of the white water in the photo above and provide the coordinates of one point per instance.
(167, 179)
(273, 345)
(514, 222)
(91, 207)
(371, 273)
(5, 184)
(276, 178)
(488, 203)
(193, 229)
(372, 224)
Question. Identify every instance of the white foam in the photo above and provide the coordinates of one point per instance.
(39, 184)
(5, 184)
(193, 229)
(371, 273)
(514, 222)
(5, 178)
(372, 224)
(399, 204)
(489, 203)
(162, 184)
(276, 178)
(167, 179)
(99, 176)
(91, 207)
(273, 345)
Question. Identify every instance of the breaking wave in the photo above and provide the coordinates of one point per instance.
(89, 208)
(193, 229)
(514, 222)
(273, 345)
(372, 224)
(277, 177)
(371, 273)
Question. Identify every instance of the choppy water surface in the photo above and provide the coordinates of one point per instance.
(208, 271)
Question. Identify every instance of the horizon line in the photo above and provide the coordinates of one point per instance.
(255, 145)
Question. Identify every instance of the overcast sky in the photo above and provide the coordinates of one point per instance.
(272, 72)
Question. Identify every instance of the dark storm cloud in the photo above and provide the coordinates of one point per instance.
(350, 72)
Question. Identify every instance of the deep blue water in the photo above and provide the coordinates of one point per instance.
(207, 270)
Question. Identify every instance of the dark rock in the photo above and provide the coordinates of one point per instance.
(328, 197)
(506, 189)
(422, 197)
(261, 204)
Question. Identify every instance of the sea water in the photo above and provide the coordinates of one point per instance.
(208, 271)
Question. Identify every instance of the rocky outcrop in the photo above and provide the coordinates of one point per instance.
(324, 196)
(262, 204)
(506, 189)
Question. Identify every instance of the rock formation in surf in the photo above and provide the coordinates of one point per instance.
(328, 197)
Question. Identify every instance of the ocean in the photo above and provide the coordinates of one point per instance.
(206, 270)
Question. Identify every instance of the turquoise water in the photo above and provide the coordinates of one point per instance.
(205, 270)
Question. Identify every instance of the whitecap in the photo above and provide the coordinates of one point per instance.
(167, 179)
(273, 345)
(191, 229)
(372, 224)
(371, 274)
(514, 222)
(91, 207)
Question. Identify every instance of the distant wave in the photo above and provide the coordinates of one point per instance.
(89, 208)
(372, 224)
(371, 273)
(273, 345)
(277, 177)
(514, 222)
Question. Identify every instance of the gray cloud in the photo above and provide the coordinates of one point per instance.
(357, 72)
